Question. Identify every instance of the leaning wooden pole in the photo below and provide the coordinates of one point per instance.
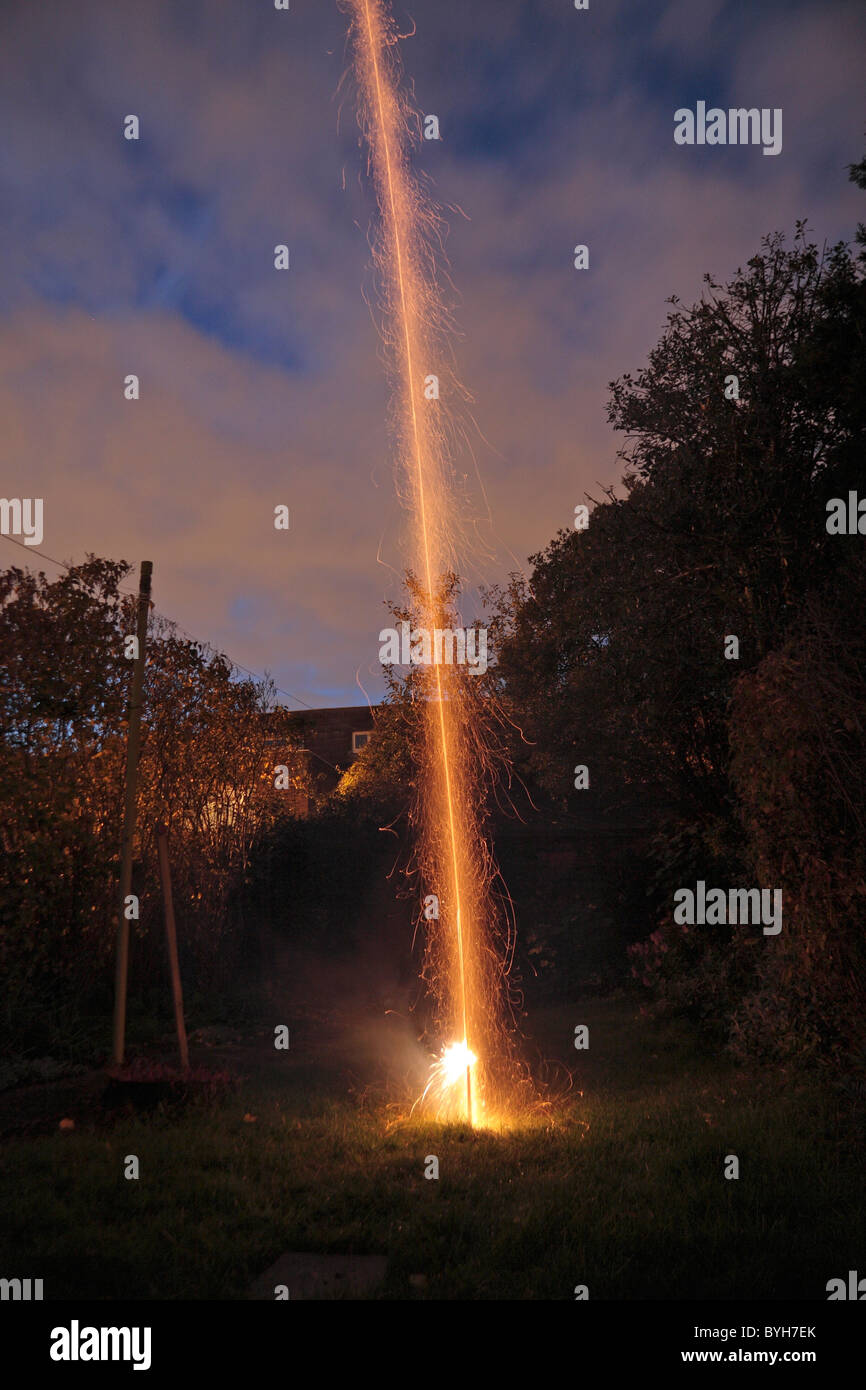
(133, 746)
(171, 937)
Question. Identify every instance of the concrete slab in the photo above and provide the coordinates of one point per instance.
(309, 1276)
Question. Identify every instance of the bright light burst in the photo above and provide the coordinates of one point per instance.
(455, 1060)
(442, 1096)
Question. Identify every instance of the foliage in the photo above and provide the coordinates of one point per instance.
(798, 737)
(206, 773)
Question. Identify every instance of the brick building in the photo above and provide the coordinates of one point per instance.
(323, 744)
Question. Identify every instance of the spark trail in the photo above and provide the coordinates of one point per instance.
(462, 963)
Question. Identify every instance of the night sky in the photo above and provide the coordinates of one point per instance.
(258, 387)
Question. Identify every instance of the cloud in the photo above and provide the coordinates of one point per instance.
(260, 387)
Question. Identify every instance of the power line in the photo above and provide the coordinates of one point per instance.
(31, 550)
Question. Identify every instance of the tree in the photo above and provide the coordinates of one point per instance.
(207, 771)
(746, 420)
(721, 532)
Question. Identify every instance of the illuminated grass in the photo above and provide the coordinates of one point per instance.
(625, 1194)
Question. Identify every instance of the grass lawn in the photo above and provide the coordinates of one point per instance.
(624, 1193)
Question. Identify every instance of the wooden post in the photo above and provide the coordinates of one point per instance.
(171, 936)
(133, 745)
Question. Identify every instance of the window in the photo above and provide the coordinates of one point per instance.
(360, 740)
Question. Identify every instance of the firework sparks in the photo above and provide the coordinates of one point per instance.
(463, 964)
